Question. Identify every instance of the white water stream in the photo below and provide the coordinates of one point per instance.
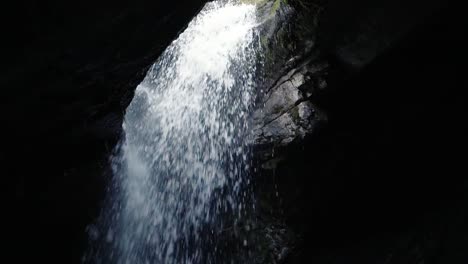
(182, 169)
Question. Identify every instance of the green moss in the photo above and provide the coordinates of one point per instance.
(254, 2)
(264, 41)
(276, 6)
(268, 52)
(277, 109)
(295, 115)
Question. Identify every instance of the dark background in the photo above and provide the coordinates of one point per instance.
(69, 69)
(386, 178)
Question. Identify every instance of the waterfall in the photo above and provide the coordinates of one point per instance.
(181, 171)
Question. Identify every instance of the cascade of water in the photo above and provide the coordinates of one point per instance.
(183, 165)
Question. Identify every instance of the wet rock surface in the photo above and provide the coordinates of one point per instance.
(294, 72)
(379, 181)
(287, 114)
(285, 118)
(373, 177)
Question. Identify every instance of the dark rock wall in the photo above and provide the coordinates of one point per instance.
(383, 180)
(69, 69)
(356, 32)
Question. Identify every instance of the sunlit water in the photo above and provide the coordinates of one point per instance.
(181, 173)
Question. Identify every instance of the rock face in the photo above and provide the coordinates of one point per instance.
(294, 73)
(378, 181)
(285, 118)
(69, 70)
(356, 33)
(287, 114)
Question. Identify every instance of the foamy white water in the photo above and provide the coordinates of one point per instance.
(182, 169)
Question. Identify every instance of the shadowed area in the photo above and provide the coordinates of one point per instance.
(69, 70)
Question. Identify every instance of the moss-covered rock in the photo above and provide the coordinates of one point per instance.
(285, 116)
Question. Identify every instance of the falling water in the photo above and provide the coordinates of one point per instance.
(181, 173)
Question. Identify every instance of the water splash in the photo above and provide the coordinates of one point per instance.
(182, 169)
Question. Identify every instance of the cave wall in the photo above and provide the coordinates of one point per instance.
(69, 69)
(382, 181)
(355, 33)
